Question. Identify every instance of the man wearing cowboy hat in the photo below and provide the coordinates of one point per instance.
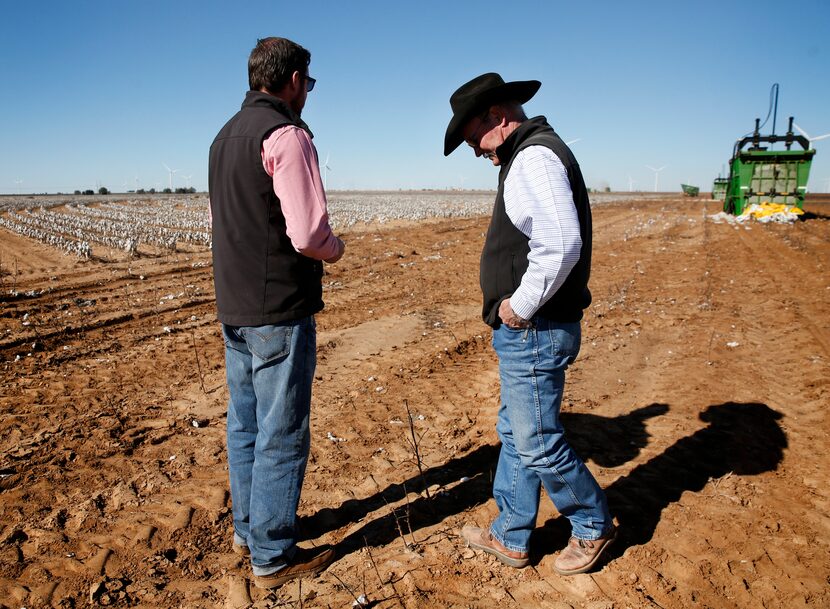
(534, 276)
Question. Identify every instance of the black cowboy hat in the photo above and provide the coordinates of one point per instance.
(479, 94)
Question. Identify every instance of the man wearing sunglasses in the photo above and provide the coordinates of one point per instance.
(534, 277)
(271, 235)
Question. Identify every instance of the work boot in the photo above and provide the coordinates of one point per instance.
(306, 563)
(482, 539)
(580, 555)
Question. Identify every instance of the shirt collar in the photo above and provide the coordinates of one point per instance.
(260, 99)
(508, 147)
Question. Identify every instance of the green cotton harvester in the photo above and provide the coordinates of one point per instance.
(759, 174)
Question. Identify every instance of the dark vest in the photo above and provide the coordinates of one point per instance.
(259, 277)
(504, 258)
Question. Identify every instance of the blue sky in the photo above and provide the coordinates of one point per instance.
(106, 92)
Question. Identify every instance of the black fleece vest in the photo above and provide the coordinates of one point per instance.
(504, 257)
(259, 277)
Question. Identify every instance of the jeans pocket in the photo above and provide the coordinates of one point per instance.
(269, 342)
(233, 340)
(566, 341)
(513, 342)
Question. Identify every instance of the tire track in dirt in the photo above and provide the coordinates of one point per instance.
(413, 361)
(148, 526)
(792, 273)
(53, 310)
(55, 292)
(676, 347)
(795, 271)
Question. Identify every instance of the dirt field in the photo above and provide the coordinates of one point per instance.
(699, 401)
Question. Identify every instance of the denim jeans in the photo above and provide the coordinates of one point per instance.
(269, 372)
(534, 452)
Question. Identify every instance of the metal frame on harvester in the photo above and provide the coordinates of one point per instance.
(759, 175)
(719, 188)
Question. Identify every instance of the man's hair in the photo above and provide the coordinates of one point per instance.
(273, 61)
(512, 108)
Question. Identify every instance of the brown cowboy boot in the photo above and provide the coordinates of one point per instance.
(482, 539)
(580, 555)
(306, 563)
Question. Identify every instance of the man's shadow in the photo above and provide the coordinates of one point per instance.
(610, 442)
(743, 439)
(620, 439)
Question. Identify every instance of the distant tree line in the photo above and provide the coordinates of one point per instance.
(104, 191)
(101, 191)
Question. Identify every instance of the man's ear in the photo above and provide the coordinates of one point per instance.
(499, 115)
(296, 80)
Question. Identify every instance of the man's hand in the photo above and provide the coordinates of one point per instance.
(509, 317)
(341, 248)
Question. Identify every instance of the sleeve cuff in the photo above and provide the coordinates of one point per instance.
(521, 307)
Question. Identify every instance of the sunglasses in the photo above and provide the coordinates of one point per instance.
(309, 83)
(475, 139)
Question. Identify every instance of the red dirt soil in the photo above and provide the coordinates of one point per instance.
(699, 401)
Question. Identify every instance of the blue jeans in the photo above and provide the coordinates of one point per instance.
(534, 451)
(269, 371)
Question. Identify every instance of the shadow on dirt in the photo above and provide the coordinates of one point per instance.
(476, 468)
(610, 442)
(620, 439)
(740, 438)
(810, 215)
(744, 439)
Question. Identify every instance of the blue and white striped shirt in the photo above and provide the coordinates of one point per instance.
(539, 202)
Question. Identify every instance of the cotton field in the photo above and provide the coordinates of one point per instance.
(105, 225)
(82, 227)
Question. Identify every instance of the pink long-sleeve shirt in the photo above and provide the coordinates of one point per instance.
(290, 158)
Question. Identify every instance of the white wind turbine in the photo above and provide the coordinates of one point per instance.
(569, 142)
(187, 180)
(811, 139)
(656, 174)
(170, 172)
(631, 183)
(18, 183)
(326, 170)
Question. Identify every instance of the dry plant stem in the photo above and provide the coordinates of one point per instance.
(415, 448)
(349, 590)
(397, 521)
(193, 338)
(380, 579)
(709, 348)
(409, 516)
(365, 594)
(198, 365)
